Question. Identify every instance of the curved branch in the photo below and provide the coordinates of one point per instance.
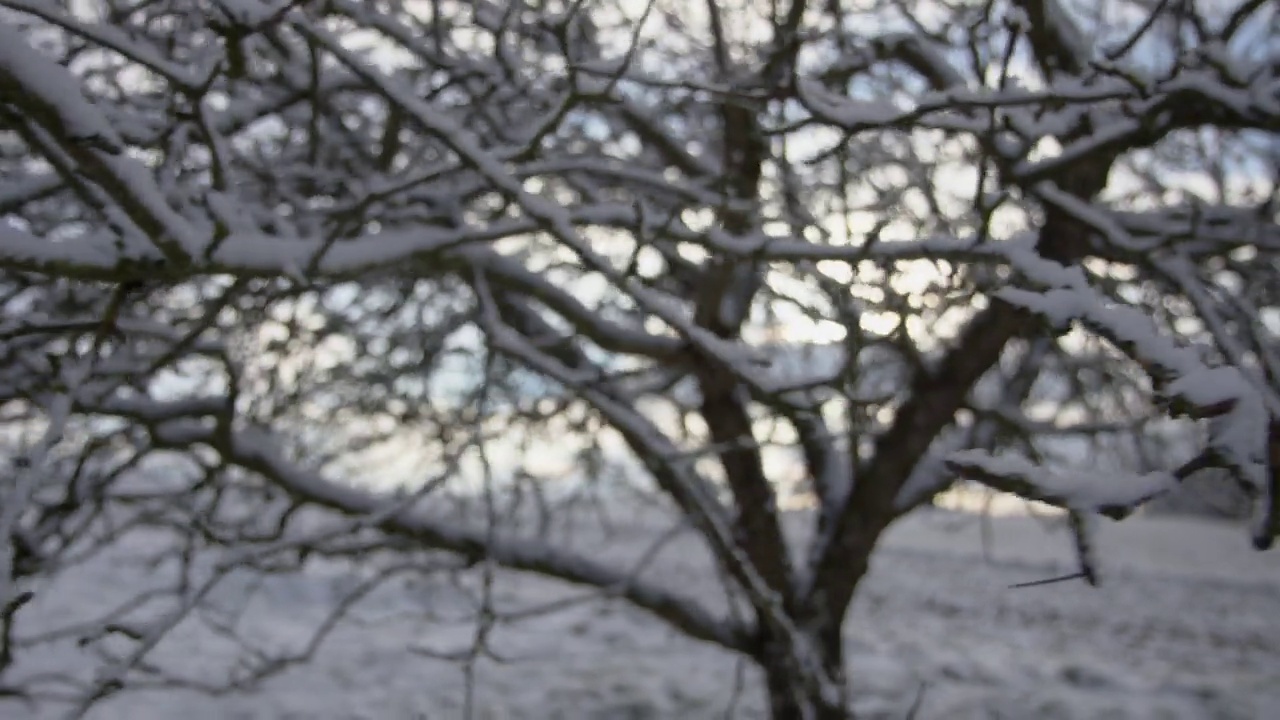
(255, 450)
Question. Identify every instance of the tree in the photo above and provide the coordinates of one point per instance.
(305, 252)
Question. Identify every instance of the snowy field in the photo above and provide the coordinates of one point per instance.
(1185, 626)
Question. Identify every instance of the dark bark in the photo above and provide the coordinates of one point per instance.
(789, 699)
(933, 401)
(722, 308)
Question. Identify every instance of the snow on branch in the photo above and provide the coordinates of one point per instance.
(257, 450)
(51, 97)
(1113, 494)
(257, 254)
(50, 94)
(1237, 413)
(113, 38)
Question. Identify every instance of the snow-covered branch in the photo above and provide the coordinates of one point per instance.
(1112, 494)
(257, 451)
(1237, 409)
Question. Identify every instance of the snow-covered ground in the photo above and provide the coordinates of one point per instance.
(1185, 626)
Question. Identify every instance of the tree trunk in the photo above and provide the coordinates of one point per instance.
(790, 698)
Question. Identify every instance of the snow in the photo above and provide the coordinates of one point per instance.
(1240, 434)
(842, 110)
(1183, 629)
(52, 96)
(1074, 489)
(110, 36)
(41, 82)
(1236, 408)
